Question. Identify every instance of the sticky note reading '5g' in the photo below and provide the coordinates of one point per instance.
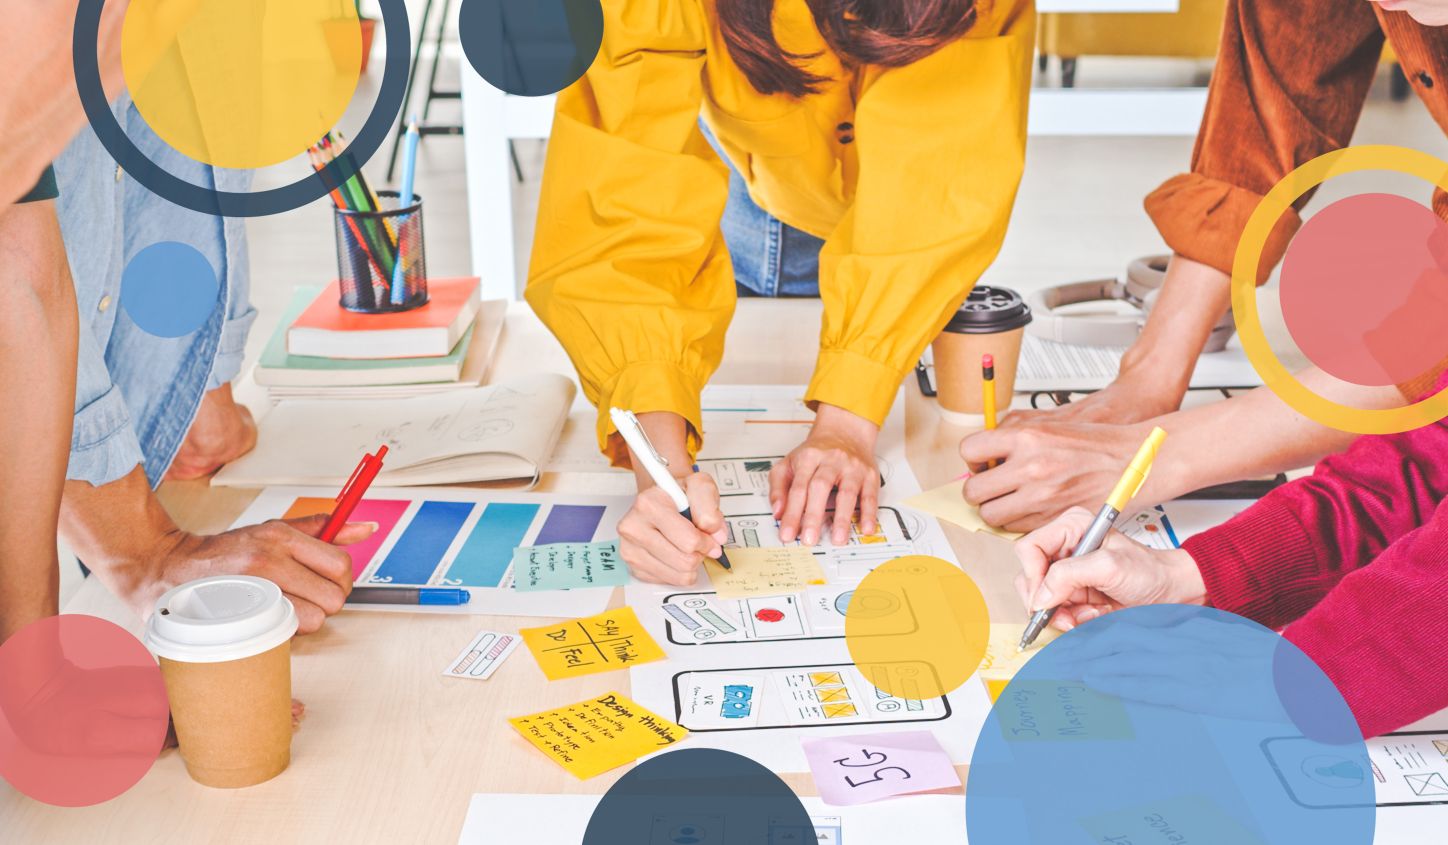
(856, 769)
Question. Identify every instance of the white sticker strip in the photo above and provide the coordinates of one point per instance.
(482, 656)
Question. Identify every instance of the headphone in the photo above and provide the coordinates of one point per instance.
(1139, 287)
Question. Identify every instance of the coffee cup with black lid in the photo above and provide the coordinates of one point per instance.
(992, 321)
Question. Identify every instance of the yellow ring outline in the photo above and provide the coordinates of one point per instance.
(1244, 289)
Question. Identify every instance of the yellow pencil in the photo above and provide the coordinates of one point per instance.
(987, 386)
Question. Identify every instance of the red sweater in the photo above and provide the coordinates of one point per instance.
(1354, 562)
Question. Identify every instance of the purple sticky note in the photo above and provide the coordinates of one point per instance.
(868, 767)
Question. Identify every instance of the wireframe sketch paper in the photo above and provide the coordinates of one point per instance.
(501, 432)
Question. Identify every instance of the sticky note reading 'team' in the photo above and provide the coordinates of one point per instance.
(765, 571)
(613, 639)
(568, 566)
(947, 502)
(593, 736)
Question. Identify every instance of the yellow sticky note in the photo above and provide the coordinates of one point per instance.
(946, 502)
(593, 736)
(765, 571)
(1002, 661)
(614, 639)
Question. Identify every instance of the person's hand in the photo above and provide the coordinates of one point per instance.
(1131, 398)
(663, 547)
(1122, 573)
(222, 432)
(1045, 469)
(837, 457)
(315, 576)
(117, 711)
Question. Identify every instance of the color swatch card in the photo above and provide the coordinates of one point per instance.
(568, 566)
(483, 656)
(593, 736)
(765, 571)
(857, 769)
(614, 639)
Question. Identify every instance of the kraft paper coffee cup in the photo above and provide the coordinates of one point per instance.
(224, 644)
(991, 321)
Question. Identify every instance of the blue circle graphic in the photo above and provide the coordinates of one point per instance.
(1167, 724)
(531, 48)
(700, 796)
(390, 96)
(169, 289)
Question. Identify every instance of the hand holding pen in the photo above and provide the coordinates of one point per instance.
(672, 526)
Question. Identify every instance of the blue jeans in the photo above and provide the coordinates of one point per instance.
(770, 258)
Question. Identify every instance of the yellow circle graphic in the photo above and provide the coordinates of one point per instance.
(1244, 289)
(917, 627)
(241, 83)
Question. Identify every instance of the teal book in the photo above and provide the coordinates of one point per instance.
(277, 368)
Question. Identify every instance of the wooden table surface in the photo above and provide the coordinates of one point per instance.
(390, 751)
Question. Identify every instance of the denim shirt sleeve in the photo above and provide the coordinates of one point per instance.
(104, 445)
(239, 312)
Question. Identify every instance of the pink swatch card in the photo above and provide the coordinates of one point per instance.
(868, 767)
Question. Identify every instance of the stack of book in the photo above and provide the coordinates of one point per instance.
(321, 351)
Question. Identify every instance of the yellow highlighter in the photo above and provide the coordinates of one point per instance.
(1121, 495)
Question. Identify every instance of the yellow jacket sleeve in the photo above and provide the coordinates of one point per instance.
(629, 269)
(941, 146)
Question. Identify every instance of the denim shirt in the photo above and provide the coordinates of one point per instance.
(137, 394)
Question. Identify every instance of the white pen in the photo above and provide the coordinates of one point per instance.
(657, 465)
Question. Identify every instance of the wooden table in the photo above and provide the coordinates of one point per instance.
(390, 751)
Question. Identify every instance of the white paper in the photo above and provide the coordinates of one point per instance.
(502, 599)
(494, 819)
(498, 432)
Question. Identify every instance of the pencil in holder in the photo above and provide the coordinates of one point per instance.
(370, 245)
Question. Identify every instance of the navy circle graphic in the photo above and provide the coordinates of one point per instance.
(531, 48)
(231, 203)
(699, 796)
(1170, 723)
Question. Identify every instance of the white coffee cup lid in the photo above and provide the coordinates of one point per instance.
(226, 617)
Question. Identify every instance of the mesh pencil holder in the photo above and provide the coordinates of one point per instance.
(369, 246)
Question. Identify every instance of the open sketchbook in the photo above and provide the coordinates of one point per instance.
(500, 432)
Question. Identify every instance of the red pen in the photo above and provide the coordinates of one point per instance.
(352, 493)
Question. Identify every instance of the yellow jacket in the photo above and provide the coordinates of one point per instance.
(629, 268)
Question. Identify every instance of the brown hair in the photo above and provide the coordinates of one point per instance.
(889, 33)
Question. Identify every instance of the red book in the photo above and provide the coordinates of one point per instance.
(327, 330)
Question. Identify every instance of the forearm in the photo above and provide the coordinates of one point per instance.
(1191, 301)
(38, 332)
(1252, 435)
(120, 529)
(669, 434)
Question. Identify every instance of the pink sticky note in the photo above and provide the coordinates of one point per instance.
(868, 767)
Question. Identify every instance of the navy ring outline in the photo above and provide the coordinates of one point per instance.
(374, 132)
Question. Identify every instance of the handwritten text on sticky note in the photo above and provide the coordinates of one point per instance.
(765, 571)
(593, 736)
(856, 769)
(568, 566)
(613, 639)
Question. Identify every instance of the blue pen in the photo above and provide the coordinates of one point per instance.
(409, 174)
(409, 595)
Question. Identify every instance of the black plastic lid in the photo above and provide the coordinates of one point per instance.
(989, 310)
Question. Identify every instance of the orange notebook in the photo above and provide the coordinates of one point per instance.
(327, 330)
